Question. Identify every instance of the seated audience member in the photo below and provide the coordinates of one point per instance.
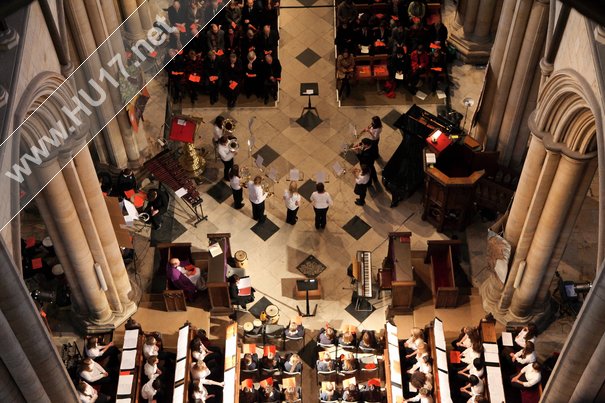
(88, 394)
(184, 276)
(248, 44)
(242, 300)
(253, 75)
(93, 373)
(107, 355)
(347, 339)
(364, 38)
(437, 32)
(368, 340)
(157, 204)
(423, 396)
(528, 333)
(247, 393)
(295, 330)
(293, 364)
(193, 68)
(193, 15)
(232, 79)
(328, 393)
(325, 363)
(250, 362)
(215, 38)
(291, 394)
(477, 368)
(346, 13)
(397, 66)
(270, 362)
(381, 36)
(474, 387)
(345, 70)
(372, 393)
(528, 377)
(251, 16)
(151, 367)
(233, 14)
(419, 64)
(151, 391)
(345, 38)
(327, 335)
(176, 15)
(267, 41)
(211, 11)
(232, 41)
(271, 75)
(269, 394)
(438, 66)
(347, 362)
(397, 40)
(212, 71)
(126, 182)
(351, 393)
(270, 13)
(525, 356)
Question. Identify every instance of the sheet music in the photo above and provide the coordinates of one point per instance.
(294, 174)
(337, 168)
(181, 346)
(179, 394)
(124, 400)
(128, 359)
(444, 387)
(398, 76)
(259, 161)
(421, 95)
(491, 353)
(181, 192)
(309, 91)
(366, 49)
(133, 214)
(507, 339)
(215, 249)
(179, 370)
(439, 335)
(231, 347)
(441, 360)
(494, 383)
(397, 393)
(125, 384)
(440, 94)
(392, 334)
(229, 389)
(431, 158)
(131, 338)
(320, 177)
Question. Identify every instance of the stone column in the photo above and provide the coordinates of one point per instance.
(134, 27)
(68, 223)
(102, 221)
(32, 337)
(579, 375)
(472, 35)
(145, 15)
(559, 200)
(92, 237)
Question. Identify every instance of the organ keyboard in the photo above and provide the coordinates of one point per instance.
(362, 272)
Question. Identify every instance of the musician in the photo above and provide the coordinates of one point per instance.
(374, 130)
(421, 380)
(236, 187)
(372, 392)
(248, 394)
(217, 129)
(366, 154)
(93, 373)
(88, 394)
(185, 277)
(321, 201)
(292, 199)
(351, 393)
(257, 196)
(107, 354)
(157, 204)
(250, 362)
(295, 330)
(200, 393)
(416, 358)
(528, 377)
(362, 178)
(151, 368)
(528, 333)
(328, 393)
(325, 363)
(242, 300)
(368, 340)
(466, 338)
(269, 394)
(293, 363)
(227, 155)
(347, 362)
(474, 387)
(347, 339)
(291, 394)
(126, 182)
(327, 335)
(522, 357)
(411, 344)
(477, 368)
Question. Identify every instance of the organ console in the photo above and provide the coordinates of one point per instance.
(362, 272)
(166, 168)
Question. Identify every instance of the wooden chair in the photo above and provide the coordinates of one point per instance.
(363, 67)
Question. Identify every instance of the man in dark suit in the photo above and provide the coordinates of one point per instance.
(271, 77)
(157, 204)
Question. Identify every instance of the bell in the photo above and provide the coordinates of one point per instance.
(191, 161)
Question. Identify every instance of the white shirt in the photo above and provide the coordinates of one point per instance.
(147, 391)
(321, 200)
(217, 133)
(412, 343)
(362, 179)
(477, 389)
(234, 182)
(89, 395)
(225, 153)
(292, 200)
(469, 355)
(199, 354)
(92, 376)
(256, 193)
(375, 133)
(421, 399)
(202, 374)
(529, 358)
(473, 371)
(201, 394)
(94, 352)
(149, 350)
(531, 375)
(520, 339)
(150, 371)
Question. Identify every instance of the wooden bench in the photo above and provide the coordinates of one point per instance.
(440, 255)
(137, 373)
(494, 386)
(174, 299)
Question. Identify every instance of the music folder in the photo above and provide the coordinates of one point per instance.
(244, 286)
(306, 284)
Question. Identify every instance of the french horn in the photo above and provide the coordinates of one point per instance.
(228, 126)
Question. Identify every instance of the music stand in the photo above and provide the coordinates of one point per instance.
(306, 285)
(309, 89)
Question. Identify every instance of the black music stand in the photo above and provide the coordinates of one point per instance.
(306, 285)
(309, 89)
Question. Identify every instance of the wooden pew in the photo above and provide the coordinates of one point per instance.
(392, 366)
(218, 288)
(436, 340)
(174, 299)
(494, 387)
(131, 375)
(440, 255)
(399, 261)
(182, 373)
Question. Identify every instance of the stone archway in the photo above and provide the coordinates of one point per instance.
(559, 167)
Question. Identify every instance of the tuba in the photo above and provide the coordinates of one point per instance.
(233, 144)
(228, 127)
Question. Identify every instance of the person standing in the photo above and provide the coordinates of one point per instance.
(374, 130)
(226, 155)
(345, 68)
(321, 201)
(157, 204)
(292, 199)
(257, 196)
(236, 187)
(362, 178)
(366, 154)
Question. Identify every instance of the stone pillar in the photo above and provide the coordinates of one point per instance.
(134, 27)
(24, 321)
(578, 375)
(88, 226)
(63, 211)
(472, 35)
(558, 203)
(145, 15)
(105, 231)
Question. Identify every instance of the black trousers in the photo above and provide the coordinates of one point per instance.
(237, 198)
(156, 220)
(258, 211)
(361, 190)
(291, 216)
(320, 217)
(228, 165)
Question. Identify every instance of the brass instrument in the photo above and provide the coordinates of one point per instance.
(228, 127)
(233, 144)
(352, 147)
